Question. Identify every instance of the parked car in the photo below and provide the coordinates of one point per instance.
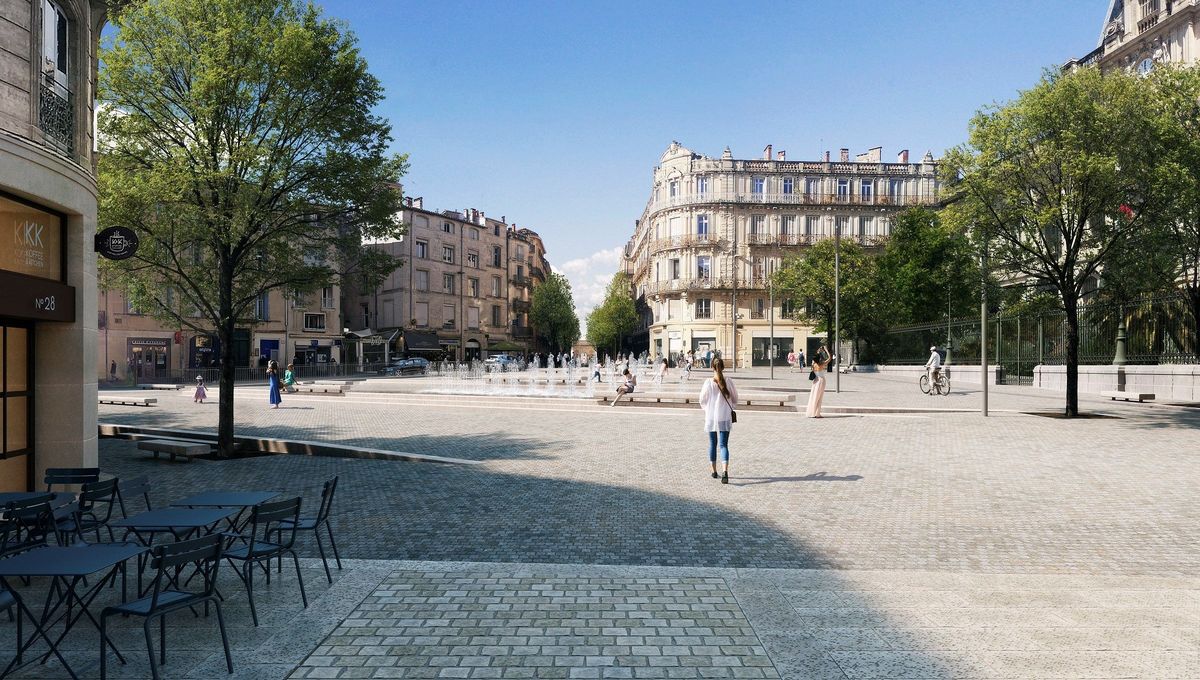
(501, 360)
(410, 366)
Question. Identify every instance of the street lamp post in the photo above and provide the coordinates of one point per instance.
(771, 343)
(983, 324)
(837, 306)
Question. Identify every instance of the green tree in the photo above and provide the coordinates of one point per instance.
(808, 281)
(553, 315)
(615, 318)
(1053, 181)
(927, 269)
(239, 142)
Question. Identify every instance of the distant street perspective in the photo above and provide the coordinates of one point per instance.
(582, 341)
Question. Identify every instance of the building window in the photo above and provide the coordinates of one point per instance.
(758, 224)
(131, 308)
(787, 309)
(422, 250)
(520, 252)
(701, 185)
(674, 269)
(787, 225)
(314, 322)
(496, 315)
(422, 282)
(448, 254)
(262, 307)
(473, 287)
(896, 189)
(448, 320)
(497, 257)
(759, 310)
(843, 189)
(474, 234)
(841, 224)
(674, 189)
(495, 229)
(704, 267)
(520, 272)
(787, 185)
(703, 308)
(366, 315)
(865, 225)
(758, 269)
(495, 286)
(448, 227)
(812, 225)
(421, 314)
(866, 188)
(448, 283)
(473, 318)
(756, 185)
(702, 226)
(812, 187)
(327, 297)
(473, 259)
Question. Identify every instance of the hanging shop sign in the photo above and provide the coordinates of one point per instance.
(117, 243)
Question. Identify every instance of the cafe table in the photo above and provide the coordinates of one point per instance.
(66, 567)
(242, 500)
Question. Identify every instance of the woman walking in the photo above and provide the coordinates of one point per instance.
(273, 384)
(717, 398)
(817, 375)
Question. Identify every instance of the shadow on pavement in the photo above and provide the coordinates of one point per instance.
(814, 477)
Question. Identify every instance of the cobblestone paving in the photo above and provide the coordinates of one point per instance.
(1010, 493)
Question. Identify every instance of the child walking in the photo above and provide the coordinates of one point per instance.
(201, 393)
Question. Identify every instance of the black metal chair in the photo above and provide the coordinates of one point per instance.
(257, 549)
(8, 602)
(97, 500)
(130, 490)
(314, 525)
(65, 477)
(205, 554)
(30, 523)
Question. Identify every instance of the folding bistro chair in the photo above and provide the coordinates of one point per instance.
(205, 554)
(130, 490)
(314, 525)
(70, 477)
(257, 549)
(97, 500)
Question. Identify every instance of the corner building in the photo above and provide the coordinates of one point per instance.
(715, 230)
(47, 230)
(1137, 35)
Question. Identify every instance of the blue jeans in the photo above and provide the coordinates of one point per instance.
(712, 446)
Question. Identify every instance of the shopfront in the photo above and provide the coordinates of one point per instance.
(149, 359)
(32, 279)
(763, 351)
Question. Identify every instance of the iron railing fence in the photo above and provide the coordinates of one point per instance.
(1158, 330)
(257, 374)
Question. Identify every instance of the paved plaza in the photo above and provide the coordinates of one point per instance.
(590, 542)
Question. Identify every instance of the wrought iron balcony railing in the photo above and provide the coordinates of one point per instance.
(57, 117)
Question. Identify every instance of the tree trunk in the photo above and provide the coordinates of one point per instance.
(1071, 306)
(225, 443)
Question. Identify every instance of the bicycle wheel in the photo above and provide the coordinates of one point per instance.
(944, 385)
(924, 383)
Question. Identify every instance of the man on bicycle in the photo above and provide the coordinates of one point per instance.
(934, 364)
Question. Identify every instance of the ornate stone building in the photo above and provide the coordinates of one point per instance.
(715, 229)
(1137, 34)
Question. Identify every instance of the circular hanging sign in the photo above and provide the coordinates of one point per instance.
(117, 243)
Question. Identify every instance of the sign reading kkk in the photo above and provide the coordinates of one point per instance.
(30, 240)
(117, 243)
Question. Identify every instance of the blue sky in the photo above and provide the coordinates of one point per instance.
(555, 113)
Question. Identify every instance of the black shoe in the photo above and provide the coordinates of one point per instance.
(725, 478)
(714, 474)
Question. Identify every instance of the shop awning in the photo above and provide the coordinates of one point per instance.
(505, 346)
(420, 341)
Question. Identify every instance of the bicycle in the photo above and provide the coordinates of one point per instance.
(940, 386)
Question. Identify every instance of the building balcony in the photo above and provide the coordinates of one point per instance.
(538, 273)
(520, 306)
(57, 117)
(686, 241)
(522, 332)
(794, 199)
(1149, 21)
(521, 281)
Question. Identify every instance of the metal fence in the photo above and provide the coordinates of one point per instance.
(1158, 329)
(258, 374)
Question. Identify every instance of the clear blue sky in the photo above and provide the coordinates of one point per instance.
(555, 113)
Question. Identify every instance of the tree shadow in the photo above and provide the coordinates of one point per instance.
(459, 513)
(814, 477)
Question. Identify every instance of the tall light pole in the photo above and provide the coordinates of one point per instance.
(771, 344)
(837, 305)
(983, 324)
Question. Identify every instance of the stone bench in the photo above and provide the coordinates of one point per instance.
(314, 388)
(128, 401)
(1128, 396)
(747, 400)
(161, 386)
(186, 448)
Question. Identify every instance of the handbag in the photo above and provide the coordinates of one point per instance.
(812, 375)
(732, 410)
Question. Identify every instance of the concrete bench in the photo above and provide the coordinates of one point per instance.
(176, 447)
(317, 389)
(161, 386)
(1128, 396)
(128, 401)
(748, 400)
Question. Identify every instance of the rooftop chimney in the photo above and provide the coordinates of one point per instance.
(482, 218)
(767, 153)
(844, 155)
(419, 202)
(902, 157)
(782, 155)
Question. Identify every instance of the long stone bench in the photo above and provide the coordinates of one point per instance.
(161, 386)
(314, 388)
(776, 400)
(128, 401)
(187, 449)
(1128, 396)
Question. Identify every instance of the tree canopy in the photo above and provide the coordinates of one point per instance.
(553, 315)
(238, 140)
(615, 318)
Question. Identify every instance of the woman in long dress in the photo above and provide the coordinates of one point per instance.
(273, 384)
(819, 362)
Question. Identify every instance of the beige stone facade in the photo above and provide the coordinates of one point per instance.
(462, 290)
(137, 348)
(1137, 34)
(715, 229)
(47, 225)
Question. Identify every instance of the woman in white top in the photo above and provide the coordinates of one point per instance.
(717, 398)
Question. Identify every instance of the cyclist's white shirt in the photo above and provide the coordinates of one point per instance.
(935, 360)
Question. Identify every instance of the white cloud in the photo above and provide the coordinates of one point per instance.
(589, 277)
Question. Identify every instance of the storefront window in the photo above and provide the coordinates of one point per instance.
(15, 408)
